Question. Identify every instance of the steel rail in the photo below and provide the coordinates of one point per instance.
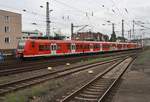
(22, 83)
(98, 77)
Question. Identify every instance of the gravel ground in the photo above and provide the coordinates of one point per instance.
(5, 79)
(69, 84)
(135, 84)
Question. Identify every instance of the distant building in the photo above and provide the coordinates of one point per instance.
(34, 33)
(144, 42)
(89, 36)
(10, 29)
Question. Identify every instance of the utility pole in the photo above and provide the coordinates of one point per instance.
(129, 34)
(47, 20)
(113, 28)
(133, 30)
(113, 35)
(123, 30)
(77, 26)
(71, 30)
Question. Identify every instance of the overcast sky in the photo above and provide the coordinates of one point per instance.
(94, 13)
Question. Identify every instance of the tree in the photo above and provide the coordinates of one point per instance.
(106, 37)
(113, 37)
(59, 37)
(121, 39)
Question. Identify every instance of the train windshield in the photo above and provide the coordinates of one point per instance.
(21, 44)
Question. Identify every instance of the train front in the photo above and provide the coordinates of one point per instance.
(20, 49)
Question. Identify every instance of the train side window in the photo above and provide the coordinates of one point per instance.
(91, 46)
(58, 47)
(41, 48)
(78, 47)
(106, 46)
(44, 47)
(96, 46)
(68, 47)
(33, 44)
(47, 47)
(81, 47)
(86, 46)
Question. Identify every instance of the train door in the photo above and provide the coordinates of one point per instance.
(101, 48)
(73, 48)
(112, 47)
(91, 47)
(53, 49)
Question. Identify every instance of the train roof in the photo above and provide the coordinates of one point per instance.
(73, 41)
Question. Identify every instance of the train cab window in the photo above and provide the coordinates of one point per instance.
(21, 44)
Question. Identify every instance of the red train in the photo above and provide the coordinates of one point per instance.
(37, 47)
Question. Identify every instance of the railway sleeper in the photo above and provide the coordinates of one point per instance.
(82, 99)
(104, 81)
(95, 90)
(88, 95)
(91, 92)
(96, 87)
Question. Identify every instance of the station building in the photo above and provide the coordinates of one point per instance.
(89, 36)
(10, 30)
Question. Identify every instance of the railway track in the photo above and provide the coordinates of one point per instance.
(42, 65)
(98, 88)
(26, 82)
(12, 64)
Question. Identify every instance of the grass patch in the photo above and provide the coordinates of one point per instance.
(143, 57)
(29, 93)
(32, 92)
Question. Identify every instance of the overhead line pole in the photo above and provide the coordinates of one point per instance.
(72, 30)
(47, 20)
(123, 29)
(133, 30)
(113, 28)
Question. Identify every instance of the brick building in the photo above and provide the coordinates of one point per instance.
(89, 36)
(10, 29)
